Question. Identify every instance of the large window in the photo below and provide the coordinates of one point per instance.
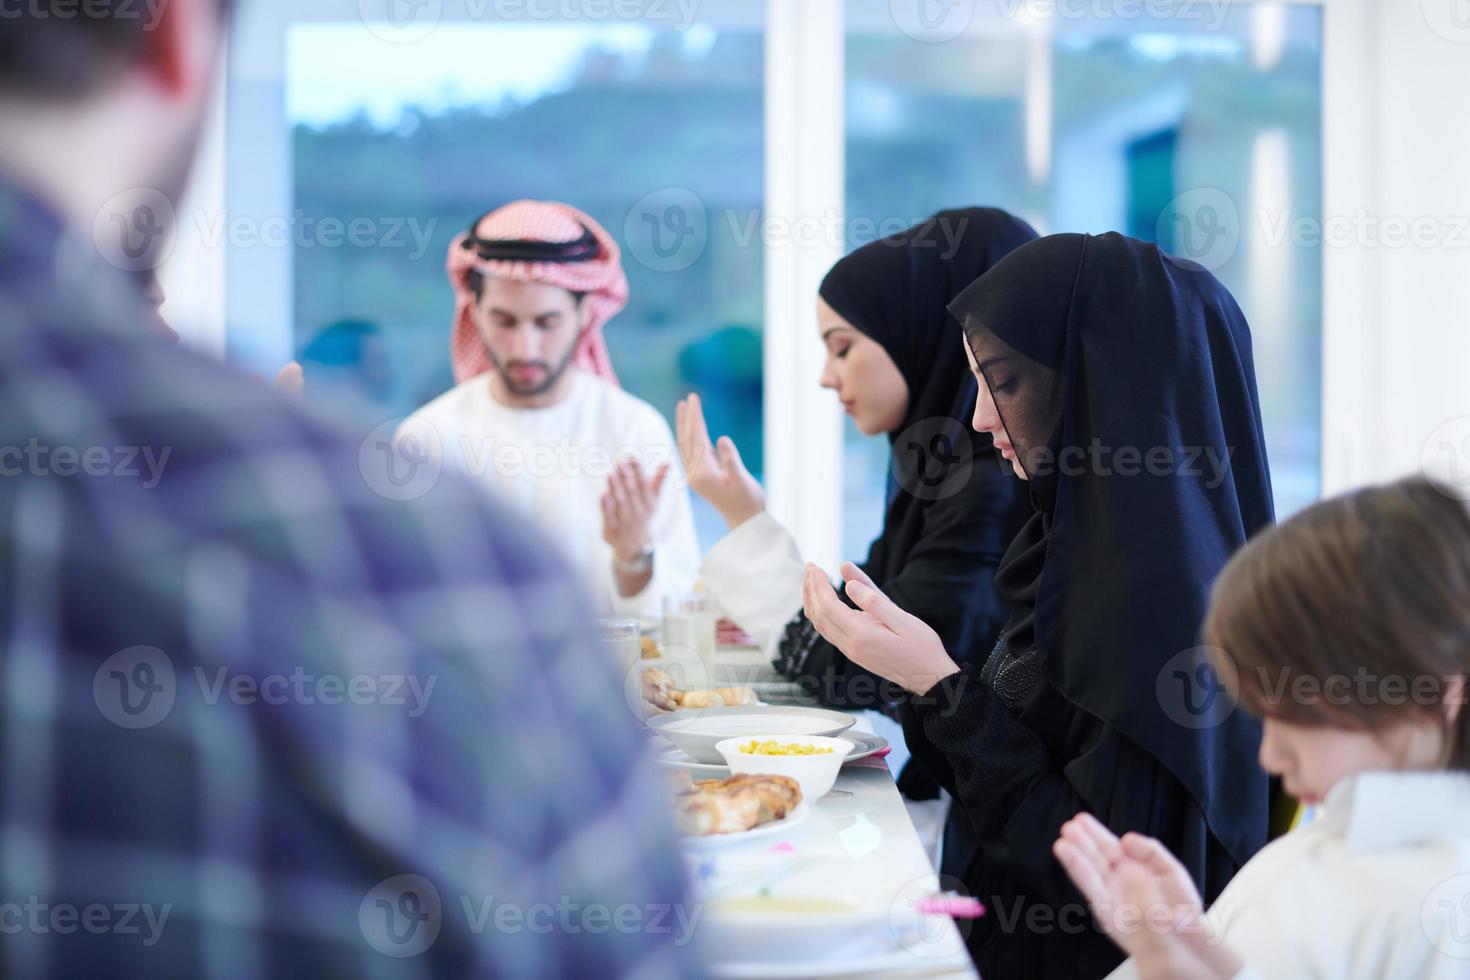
(406, 135)
(1199, 130)
(360, 144)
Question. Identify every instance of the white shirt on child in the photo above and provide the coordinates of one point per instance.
(554, 463)
(1377, 887)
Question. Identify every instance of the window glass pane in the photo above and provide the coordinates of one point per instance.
(1200, 130)
(652, 131)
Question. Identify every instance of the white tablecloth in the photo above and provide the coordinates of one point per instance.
(858, 845)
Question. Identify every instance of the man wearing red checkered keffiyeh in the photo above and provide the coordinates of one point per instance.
(536, 242)
(537, 411)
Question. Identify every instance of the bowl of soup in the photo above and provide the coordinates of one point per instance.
(790, 928)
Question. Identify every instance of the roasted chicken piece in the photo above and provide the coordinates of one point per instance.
(716, 813)
(778, 795)
(726, 806)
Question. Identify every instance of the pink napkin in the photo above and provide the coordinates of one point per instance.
(954, 906)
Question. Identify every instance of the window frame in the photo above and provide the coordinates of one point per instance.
(804, 176)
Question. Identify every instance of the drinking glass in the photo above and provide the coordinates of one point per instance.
(689, 621)
(622, 639)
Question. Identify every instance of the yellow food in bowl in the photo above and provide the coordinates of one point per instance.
(773, 747)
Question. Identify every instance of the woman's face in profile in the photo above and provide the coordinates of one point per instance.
(869, 385)
(1013, 404)
(987, 419)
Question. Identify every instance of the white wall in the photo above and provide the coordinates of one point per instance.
(1396, 317)
(804, 180)
(194, 278)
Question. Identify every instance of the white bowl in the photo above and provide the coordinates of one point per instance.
(816, 773)
(698, 730)
(790, 928)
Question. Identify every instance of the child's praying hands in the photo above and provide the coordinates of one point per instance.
(1144, 899)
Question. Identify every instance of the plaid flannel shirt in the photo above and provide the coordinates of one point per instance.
(273, 704)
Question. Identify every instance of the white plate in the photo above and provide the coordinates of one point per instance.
(783, 692)
(864, 746)
(766, 830)
(697, 730)
(677, 758)
(884, 960)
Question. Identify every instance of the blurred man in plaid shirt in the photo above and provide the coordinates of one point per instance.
(271, 704)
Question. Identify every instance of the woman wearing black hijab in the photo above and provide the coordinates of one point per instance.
(1119, 383)
(950, 510)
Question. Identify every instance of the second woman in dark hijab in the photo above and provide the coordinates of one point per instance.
(949, 511)
(1119, 383)
(947, 517)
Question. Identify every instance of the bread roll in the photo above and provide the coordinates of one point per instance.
(717, 698)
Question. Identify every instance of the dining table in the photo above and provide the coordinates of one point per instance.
(857, 846)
